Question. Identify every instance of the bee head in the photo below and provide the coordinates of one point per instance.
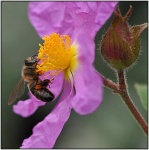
(30, 61)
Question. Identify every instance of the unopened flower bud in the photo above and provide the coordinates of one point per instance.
(120, 45)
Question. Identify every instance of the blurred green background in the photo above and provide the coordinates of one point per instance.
(111, 126)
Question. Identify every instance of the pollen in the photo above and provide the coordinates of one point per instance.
(57, 54)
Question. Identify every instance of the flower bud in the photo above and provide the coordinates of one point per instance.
(120, 45)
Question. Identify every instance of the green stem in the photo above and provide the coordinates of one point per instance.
(121, 89)
(126, 98)
(110, 84)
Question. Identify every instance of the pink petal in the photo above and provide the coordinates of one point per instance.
(64, 17)
(89, 90)
(86, 49)
(46, 132)
(90, 16)
(28, 107)
(87, 82)
(48, 17)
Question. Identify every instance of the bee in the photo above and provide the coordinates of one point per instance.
(35, 85)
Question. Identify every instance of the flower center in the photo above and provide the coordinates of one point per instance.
(57, 54)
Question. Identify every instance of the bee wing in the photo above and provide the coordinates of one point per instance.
(17, 91)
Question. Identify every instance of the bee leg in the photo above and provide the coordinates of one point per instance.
(51, 80)
(35, 82)
(45, 82)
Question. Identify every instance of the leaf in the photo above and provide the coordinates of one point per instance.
(142, 92)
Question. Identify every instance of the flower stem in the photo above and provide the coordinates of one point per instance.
(121, 89)
(126, 98)
(110, 84)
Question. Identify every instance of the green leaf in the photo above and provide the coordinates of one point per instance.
(142, 92)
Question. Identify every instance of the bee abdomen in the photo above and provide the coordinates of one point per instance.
(43, 94)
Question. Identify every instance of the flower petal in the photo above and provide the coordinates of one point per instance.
(87, 81)
(89, 90)
(28, 106)
(90, 16)
(48, 17)
(64, 17)
(46, 132)
(86, 46)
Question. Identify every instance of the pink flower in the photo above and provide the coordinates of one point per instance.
(74, 76)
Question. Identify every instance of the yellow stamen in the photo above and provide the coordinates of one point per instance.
(57, 54)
